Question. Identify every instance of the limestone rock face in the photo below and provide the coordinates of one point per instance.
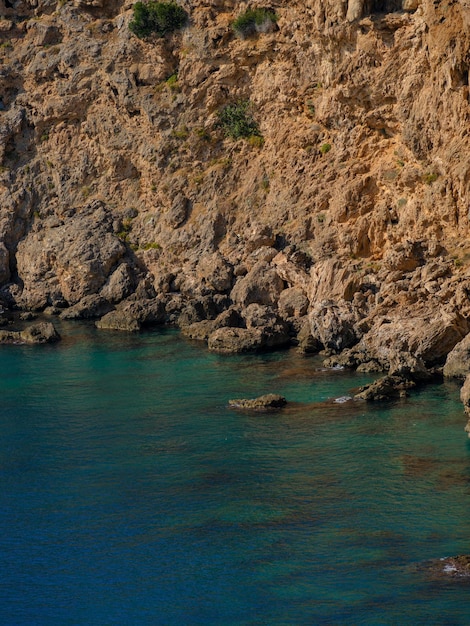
(70, 260)
(118, 184)
(293, 303)
(262, 285)
(332, 325)
(465, 394)
(457, 364)
(427, 340)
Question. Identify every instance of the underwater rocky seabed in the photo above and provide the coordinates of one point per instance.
(132, 493)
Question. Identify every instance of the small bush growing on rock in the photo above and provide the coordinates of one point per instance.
(430, 177)
(256, 141)
(236, 121)
(151, 246)
(254, 21)
(157, 17)
(326, 147)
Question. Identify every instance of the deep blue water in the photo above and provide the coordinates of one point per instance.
(132, 495)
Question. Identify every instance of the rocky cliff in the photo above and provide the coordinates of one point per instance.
(344, 224)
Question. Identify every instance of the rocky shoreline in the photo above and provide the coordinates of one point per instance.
(341, 226)
(404, 353)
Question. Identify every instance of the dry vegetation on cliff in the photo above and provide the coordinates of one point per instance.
(344, 219)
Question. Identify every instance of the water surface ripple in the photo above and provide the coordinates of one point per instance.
(132, 495)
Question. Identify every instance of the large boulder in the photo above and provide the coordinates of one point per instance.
(333, 324)
(305, 341)
(426, 338)
(275, 331)
(40, 333)
(293, 303)
(215, 273)
(68, 260)
(457, 364)
(261, 285)
(120, 284)
(200, 331)
(233, 340)
(386, 388)
(130, 316)
(119, 320)
(89, 307)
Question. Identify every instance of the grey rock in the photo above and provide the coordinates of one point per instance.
(305, 340)
(201, 331)
(386, 388)
(453, 567)
(262, 403)
(215, 272)
(118, 320)
(235, 340)
(259, 316)
(119, 285)
(89, 307)
(457, 364)
(262, 285)
(40, 333)
(178, 212)
(293, 303)
(70, 261)
(333, 324)
(408, 366)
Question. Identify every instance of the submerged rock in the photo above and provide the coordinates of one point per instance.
(450, 567)
(262, 403)
(42, 332)
(386, 388)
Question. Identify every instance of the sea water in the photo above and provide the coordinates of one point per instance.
(131, 494)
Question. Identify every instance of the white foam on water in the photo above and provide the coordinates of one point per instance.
(343, 399)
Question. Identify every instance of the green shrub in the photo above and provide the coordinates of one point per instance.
(157, 17)
(236, 120)
(326, 147)
(151, 246)
(430, 177)
(254, 21)
(172, 82)
(257, 141)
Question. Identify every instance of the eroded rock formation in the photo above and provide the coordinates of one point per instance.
(345, 227)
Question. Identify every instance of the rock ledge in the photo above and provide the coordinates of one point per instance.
(262, 403)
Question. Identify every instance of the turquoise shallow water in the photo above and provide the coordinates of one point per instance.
(132, 495)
